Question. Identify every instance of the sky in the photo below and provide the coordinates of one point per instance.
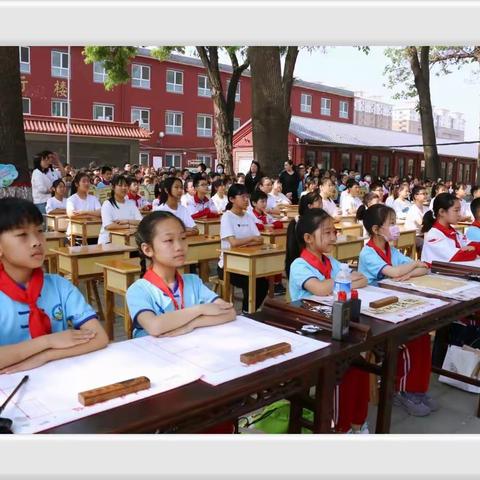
(352, 69)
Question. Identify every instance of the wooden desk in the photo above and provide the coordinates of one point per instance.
(275, 237)
(53, 240)
(208, 226)
(58, 222)
(462, 226)
(124, 237)
(85, 228)
(202, 249)
(254, 262)
(349, 229)
(406, 241)
(347, 248)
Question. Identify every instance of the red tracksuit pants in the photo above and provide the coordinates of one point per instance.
(414, 365)
(351, 397)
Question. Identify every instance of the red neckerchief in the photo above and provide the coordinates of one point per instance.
(449, 232)
(476, 223)
(197, 199)
(159, 282)
(385, 256)
(325, 267)
(134, 196)
(262, 218)
(38, 321)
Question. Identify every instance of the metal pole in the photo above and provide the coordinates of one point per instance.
(68, 103)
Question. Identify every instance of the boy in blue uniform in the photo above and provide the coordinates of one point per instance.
(36, 308)
(473, 232)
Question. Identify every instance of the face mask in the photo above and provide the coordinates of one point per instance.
(357, 178)
(393, 233)
(368, 179)
(220, 170)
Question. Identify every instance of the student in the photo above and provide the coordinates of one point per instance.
(220, 199)
(436, 190)
(277, 195)
(133, 189)
(377, 187)
(351, 200)
(57, 203)
(369, 199)
(442, 242)
(169, 200)
(401, 204)
(327, 192)
(252, 177)
(106, 177)
(311, 185)
(118, 212)
(265, 185)
(475, 191)
(415, 214)
(187, 197)
(379, 260)
(202, 206)
(465, 213)
(241, 178)
(311, 272)
(37, 308)
(311, 200)
(473, 232)
(238, 229)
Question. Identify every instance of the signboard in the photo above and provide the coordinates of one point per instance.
(157, 162)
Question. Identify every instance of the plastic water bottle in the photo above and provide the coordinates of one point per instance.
(343, 282)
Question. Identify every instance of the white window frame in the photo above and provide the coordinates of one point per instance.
(324, 110)
(24, 66)
(174, 87)
(305, 107)
(29, 106)
(141, 123)
(60, 71)
(236, 119)
(173, 128)
(237, 91)
(141, 81)
(147, 154)
(103, 106)
(99, 77)
(63, 103)
(174, 155)
(343, 112)
(203, 91)
(204, 131)
(205, 158)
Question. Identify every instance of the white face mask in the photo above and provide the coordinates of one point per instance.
(393, 233)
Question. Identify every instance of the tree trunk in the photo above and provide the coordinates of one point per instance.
(421, 72)
(12, 136)
(271, 105)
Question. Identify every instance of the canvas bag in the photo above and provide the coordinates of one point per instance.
(465, 361)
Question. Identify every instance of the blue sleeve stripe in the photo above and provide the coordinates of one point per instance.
(135, 324)
(380, 274)
(216, 298)
(85, 320)
(307, 279)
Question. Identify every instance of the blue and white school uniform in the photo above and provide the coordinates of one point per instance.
(143, 296)
(372, 265)
(59, 299)
(473, 232)
(301, 271)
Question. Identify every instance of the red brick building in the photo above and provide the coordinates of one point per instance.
(170, 99)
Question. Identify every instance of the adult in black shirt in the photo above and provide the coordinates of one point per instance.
(253, 177)
(289, 180)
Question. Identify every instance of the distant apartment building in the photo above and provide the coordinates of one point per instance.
(448, 125)
(372, 111)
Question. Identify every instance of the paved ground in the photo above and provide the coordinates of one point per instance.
(457, 413)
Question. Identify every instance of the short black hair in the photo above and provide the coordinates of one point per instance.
(475, 208)
(351, 182)
(17, 213)
(197, 180)
(106, 169)
(257, 195)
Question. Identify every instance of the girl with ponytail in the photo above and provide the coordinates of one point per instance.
(170, 197)
(442, 242)
(311, 272)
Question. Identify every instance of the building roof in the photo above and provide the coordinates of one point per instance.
(196, 62)
(88, 128)
(310, 129)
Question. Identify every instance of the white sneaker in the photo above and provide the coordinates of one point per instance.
(362, 430)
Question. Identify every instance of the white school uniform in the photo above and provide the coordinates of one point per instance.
(437, 246)
(389, 201)
(330, 207)
(278, 199)
(53, 203)
(401, 208)
(194, 207)
(181, 212)
(350, 204)
(220, 203)
(232, 225)
(465, 209)
(186, 199)
(41, 185)
(414, 217)
(126, 211)
(77, 204)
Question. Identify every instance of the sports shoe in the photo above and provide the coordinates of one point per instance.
(279, 289)
(362, 430)
(427, 400)
(412, 404)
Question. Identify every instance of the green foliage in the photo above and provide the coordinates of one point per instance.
(449, 57)
(399, 73)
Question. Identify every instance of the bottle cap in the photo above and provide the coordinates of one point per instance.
(342, 296)
(354, 294)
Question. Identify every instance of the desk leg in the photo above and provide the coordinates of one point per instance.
(203, 270)
(127, 321)
(387, 388)
(323, 410)
(97, 300)
(252, 282)
(226, 285)
(109, 312)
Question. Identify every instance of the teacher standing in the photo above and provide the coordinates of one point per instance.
(43, 176)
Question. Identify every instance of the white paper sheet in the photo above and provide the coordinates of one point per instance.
(50, 397)
(468, 291)
(370, 294)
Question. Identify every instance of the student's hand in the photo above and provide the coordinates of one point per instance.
(289, 195)
(216, 308)
(28, 364)
(70, 338)
(122, 222)
(402, 278)
(256, 241)
(419, 264)
(223, 303)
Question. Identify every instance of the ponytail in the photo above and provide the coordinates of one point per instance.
(443, 201)
(428, 221)
(361, 211)
(166, 189)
